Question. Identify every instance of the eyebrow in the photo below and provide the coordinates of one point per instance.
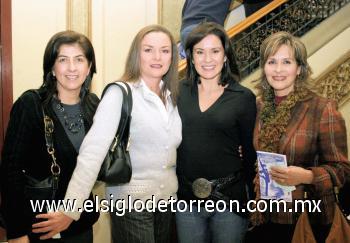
(199, 48)
(147, 45)
(61, 55)
(284, 58)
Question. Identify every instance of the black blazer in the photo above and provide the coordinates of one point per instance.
(25, 151)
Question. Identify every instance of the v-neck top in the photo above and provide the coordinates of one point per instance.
(210, 139)
(208, 108)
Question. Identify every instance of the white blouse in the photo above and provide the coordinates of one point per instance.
(155, 134)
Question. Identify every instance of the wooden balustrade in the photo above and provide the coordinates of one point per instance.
(242, 25)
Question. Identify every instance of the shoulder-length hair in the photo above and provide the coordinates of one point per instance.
(132, 71)
(49, 86)
(271, 45)
(67, 37)
(229, 72)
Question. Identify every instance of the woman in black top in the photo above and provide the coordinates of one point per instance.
(69, 64)
(218, 116)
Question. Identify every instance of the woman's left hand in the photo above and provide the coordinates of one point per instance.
(55, 223)
(291, 175)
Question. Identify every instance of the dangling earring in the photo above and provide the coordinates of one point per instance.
(87, 82)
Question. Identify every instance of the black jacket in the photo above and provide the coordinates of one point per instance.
(25, 151)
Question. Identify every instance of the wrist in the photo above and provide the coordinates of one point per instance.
(309, 177)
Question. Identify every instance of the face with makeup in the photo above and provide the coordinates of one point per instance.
(209, 57)
(155, 56)
(70, 69)
(281, 70)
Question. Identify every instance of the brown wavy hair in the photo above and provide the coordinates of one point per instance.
(275, 118)
(271, 45)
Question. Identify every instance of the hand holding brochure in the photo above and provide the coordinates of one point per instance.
(270, 189)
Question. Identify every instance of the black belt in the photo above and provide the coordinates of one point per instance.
(203, 188)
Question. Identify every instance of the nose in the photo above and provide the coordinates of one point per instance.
(156, 55)
(278, 67)
(72, 65)
(207, 57)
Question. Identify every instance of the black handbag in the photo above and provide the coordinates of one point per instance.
(116, 167)
(46, 188)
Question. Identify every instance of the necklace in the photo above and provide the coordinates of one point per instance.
(72, 122)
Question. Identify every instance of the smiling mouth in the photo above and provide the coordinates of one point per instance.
(72, 77)
(279, 78)
(156, 66)
(208, 68)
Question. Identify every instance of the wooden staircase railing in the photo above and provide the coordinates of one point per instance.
(243, 25)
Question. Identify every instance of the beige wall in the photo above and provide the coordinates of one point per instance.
(33, 23)
(113, 25)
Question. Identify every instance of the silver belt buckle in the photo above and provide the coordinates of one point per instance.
(201, 188)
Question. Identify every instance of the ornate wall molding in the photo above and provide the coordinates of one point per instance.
(79, 16)
(335, 82)
(296, 16)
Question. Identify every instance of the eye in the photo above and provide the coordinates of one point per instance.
(198, 52)
(271, 62)
(147, 50)
(80, 59)
(166, 51)
(287, 62)
(62, 59)
(216, 51)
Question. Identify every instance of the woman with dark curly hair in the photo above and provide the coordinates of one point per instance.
(305, 127)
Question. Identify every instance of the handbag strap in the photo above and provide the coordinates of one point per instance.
(334, 182)
(335, 189)
(122, 135)
(48, 130)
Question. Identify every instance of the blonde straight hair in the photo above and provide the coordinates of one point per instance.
(132, 71)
